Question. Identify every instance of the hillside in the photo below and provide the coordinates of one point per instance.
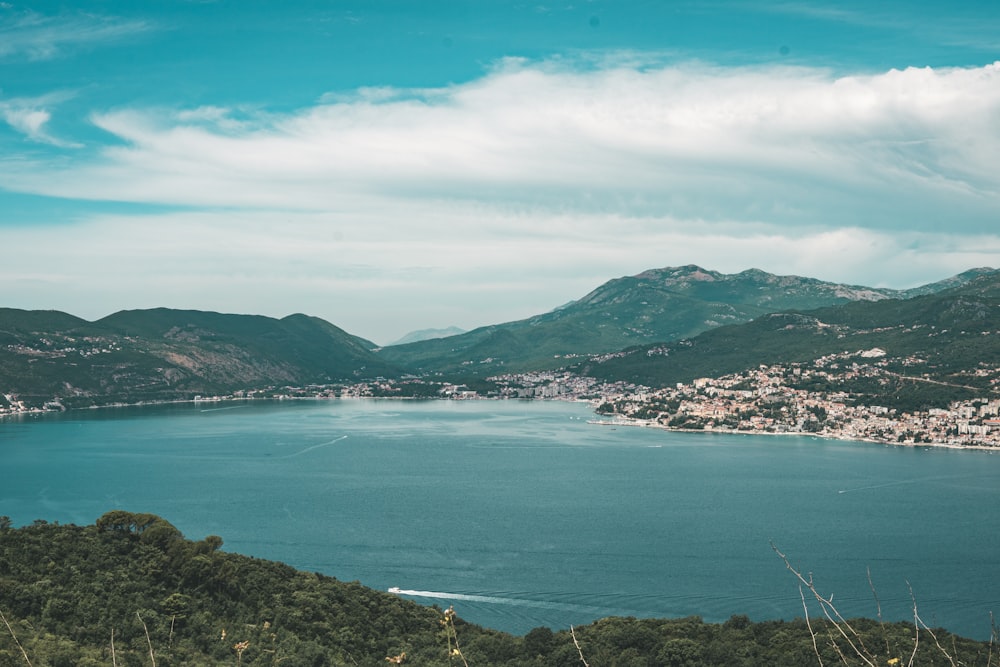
(949, 338)
(56, 359)
(131, 590)
(654, 306)
(163, 354)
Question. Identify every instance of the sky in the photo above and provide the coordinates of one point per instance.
(392, 165)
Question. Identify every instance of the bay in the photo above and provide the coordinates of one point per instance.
(522, 514)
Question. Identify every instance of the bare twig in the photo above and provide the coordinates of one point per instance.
(579, 650)
(917, 621)
(846, 631)
(805, 611)
(993, 639)
(840, 651)
(23, 652)
(152, 659)
(878, 608)
(114, 659)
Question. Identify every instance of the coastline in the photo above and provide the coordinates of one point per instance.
(645, 423)
(615, 421)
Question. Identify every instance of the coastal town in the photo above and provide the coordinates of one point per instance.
(770, 399)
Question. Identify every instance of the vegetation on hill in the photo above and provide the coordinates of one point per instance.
(936, 344)
(654, 306)
(48, 357)
(163, 354)
(132, 591)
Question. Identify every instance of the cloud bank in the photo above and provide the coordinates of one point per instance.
(773, 145)
(543, 173)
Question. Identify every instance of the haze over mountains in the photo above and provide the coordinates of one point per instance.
(428, 334)
(163, 354)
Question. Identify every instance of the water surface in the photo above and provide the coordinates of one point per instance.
(521, 514)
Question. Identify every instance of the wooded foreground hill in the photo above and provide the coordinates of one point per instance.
(132, 591)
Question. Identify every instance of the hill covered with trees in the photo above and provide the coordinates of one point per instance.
(164, 354)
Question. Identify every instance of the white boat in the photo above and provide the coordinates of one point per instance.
(395, 589)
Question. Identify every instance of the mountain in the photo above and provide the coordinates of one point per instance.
(164, 354)
(946, 339)
(654, 306)
(428, 334)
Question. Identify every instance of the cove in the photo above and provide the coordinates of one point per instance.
(522, 514)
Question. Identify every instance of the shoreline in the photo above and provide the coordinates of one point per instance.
(643, 423)
(615, 421)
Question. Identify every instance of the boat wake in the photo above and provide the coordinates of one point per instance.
(493, 599)
(309, 449)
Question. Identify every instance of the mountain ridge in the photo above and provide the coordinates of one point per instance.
(947, 338)
(159, 354)
(656, 305)
(165, 354)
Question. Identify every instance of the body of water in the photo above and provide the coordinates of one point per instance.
(521, 514)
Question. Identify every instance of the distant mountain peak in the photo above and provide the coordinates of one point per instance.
(686, 272)
(428, 334)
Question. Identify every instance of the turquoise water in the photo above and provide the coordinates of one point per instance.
(522, 514)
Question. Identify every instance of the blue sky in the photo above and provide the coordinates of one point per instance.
(394, 165)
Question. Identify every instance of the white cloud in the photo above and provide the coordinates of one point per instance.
(30, 119)
(38, 37)
(778, 144)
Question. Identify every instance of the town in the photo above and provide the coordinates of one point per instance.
(770, 399)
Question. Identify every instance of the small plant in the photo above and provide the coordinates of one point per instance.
(239, 647)
(448, 623)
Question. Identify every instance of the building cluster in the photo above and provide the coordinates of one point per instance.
(87, 346)
(557, 385)
(771, 399)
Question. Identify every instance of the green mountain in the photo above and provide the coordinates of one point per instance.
(949, 340)
(130, 590)
(654, 306)
(163, 354)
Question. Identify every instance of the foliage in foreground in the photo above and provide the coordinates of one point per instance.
(130, 591)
